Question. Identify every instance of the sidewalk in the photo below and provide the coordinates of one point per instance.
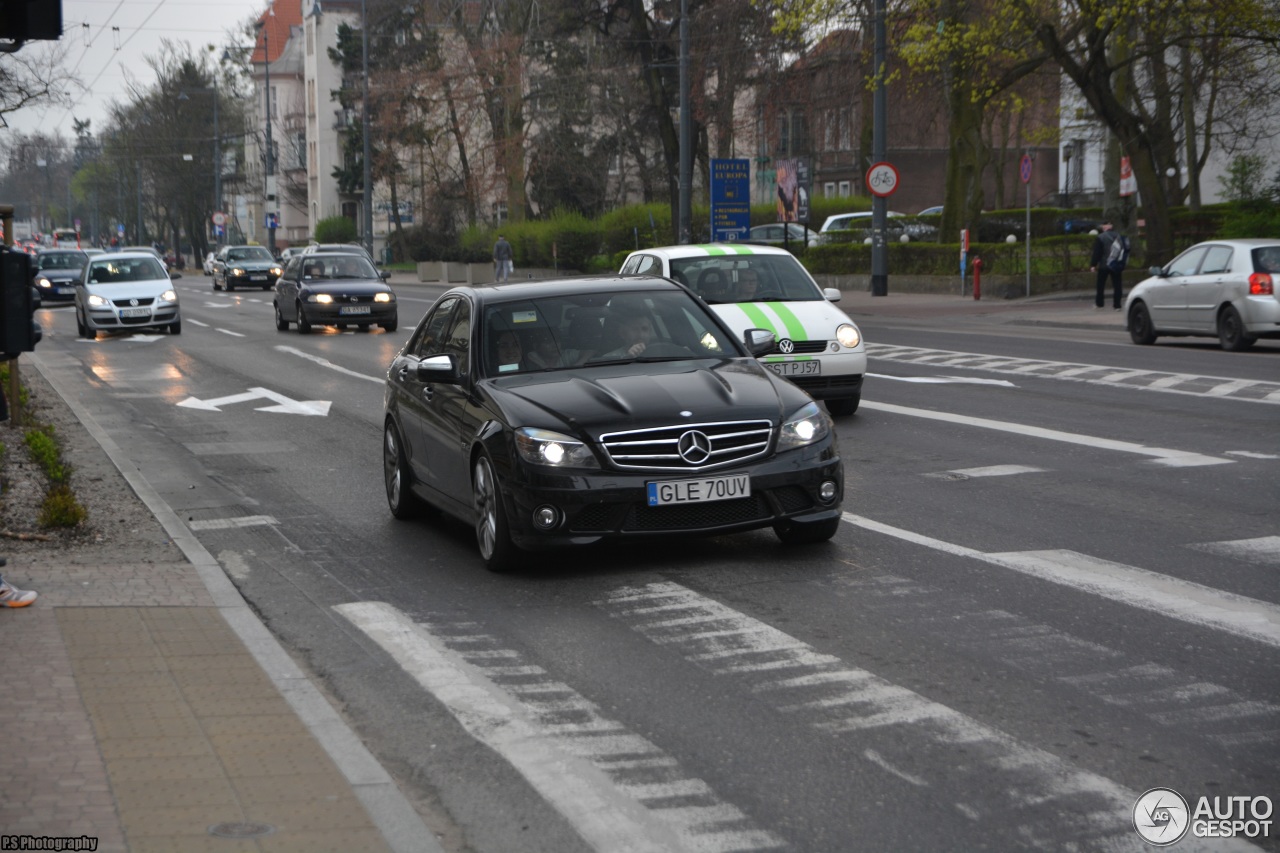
(1065, 310)
(147, 707)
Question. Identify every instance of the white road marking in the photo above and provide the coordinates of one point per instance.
(1168, 596)
(864, 702)
(324, 362)
(191, 322)
(1163, 456)
(231, 523)
(229, 332)
(1264, 549)
(1249, 454)
(991, 471)
(284, 405)
(1254, 391)
(945, 380)
(618, 790)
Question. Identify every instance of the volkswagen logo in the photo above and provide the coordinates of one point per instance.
(786, 346)
(695, 447)
(133, 302)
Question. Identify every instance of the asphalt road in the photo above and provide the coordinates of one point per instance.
(1056, 589)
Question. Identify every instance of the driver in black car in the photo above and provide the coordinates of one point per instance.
(634, 334)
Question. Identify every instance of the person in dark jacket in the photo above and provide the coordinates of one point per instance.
(1102, 270)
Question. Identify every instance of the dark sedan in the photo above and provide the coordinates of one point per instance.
(565, 412)
(333, 290)
(245, 266)
(56, 272)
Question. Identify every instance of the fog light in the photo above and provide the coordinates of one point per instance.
(827, 491)
(546, 517)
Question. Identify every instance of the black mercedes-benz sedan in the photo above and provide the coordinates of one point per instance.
(565, 412)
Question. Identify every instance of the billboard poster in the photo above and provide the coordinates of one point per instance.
(793, 190)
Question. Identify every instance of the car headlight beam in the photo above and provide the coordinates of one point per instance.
(553, 449)
(96, 301)
(383, 297)
(847, 335)
(322, 298)
(809, 424)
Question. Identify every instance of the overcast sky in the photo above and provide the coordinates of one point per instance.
(104, 58)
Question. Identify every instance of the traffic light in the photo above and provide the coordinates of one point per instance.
(30, 20)
(19, 332)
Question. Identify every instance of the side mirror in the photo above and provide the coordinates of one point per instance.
(384, 274)
(758, 341)
(438, 368)
(1157, 271)
(831, 294)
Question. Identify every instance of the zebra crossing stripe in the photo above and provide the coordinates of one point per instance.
(618, 790)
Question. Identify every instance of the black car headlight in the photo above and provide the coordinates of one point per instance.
(43, 282)
(807, 425)
(236, 271)
(554, 449)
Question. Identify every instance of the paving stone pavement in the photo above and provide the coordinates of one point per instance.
(146, 708)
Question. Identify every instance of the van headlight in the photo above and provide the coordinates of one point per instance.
(847, 335)
(809, 424)
(544, 447)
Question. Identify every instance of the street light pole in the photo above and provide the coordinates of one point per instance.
(271, 166)
(367, 176)
(217, 165)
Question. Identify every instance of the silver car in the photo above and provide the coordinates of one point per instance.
(1222, 287)
(123, 291)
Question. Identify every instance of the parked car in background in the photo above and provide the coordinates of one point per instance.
(1222, 288)
(245, 266)
(126, 290)
(856, 224)
(817, 346)
(643, 415)
(936, 210)
(783, 233)
(334, 290)
(56, 272)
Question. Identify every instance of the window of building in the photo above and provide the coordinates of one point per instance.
(829, 189)
(499, 212)
(844, 188)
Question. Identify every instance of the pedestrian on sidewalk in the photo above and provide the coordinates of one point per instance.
(11, 596)
(502, 259)
(1110, 256)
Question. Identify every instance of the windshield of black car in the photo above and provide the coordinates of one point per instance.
(337, 266)
(62, 260)
(250, 254)
(585, 329)
(126, 270)
(729, 278)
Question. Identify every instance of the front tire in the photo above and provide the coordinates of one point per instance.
(806, 532)
(82, 328)
(1141, 329)
(175, 328)
(844, 405)
(304, 327)
(282, 324)
(1231, 333)
(404, 504)
(493, 536)
(390, 325)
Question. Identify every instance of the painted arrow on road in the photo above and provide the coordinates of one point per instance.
(283, 405)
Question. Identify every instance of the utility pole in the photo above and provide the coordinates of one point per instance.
(879, 204)
(269, 196)
(686, 133)
(367, 176)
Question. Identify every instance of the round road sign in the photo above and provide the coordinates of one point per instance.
(882, 179)
(1024, 170)
(219, 218)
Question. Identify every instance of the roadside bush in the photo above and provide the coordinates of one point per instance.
(60, 508)
(1251, 219)
(336, 229)
(45, 450)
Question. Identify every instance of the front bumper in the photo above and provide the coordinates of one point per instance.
(601, 505)
(840, 372)
(57, 291)
(109, 318)
(263, 280)
(319, 314)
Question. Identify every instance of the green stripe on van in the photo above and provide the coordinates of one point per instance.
(727, 250)
(795, 329)
(758, 318)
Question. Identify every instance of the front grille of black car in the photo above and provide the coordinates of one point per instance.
(130, 303)
(343, 299)
(658, 449)
(801, 348)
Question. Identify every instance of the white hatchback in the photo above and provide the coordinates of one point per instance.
(123, 291)
(761, 287)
